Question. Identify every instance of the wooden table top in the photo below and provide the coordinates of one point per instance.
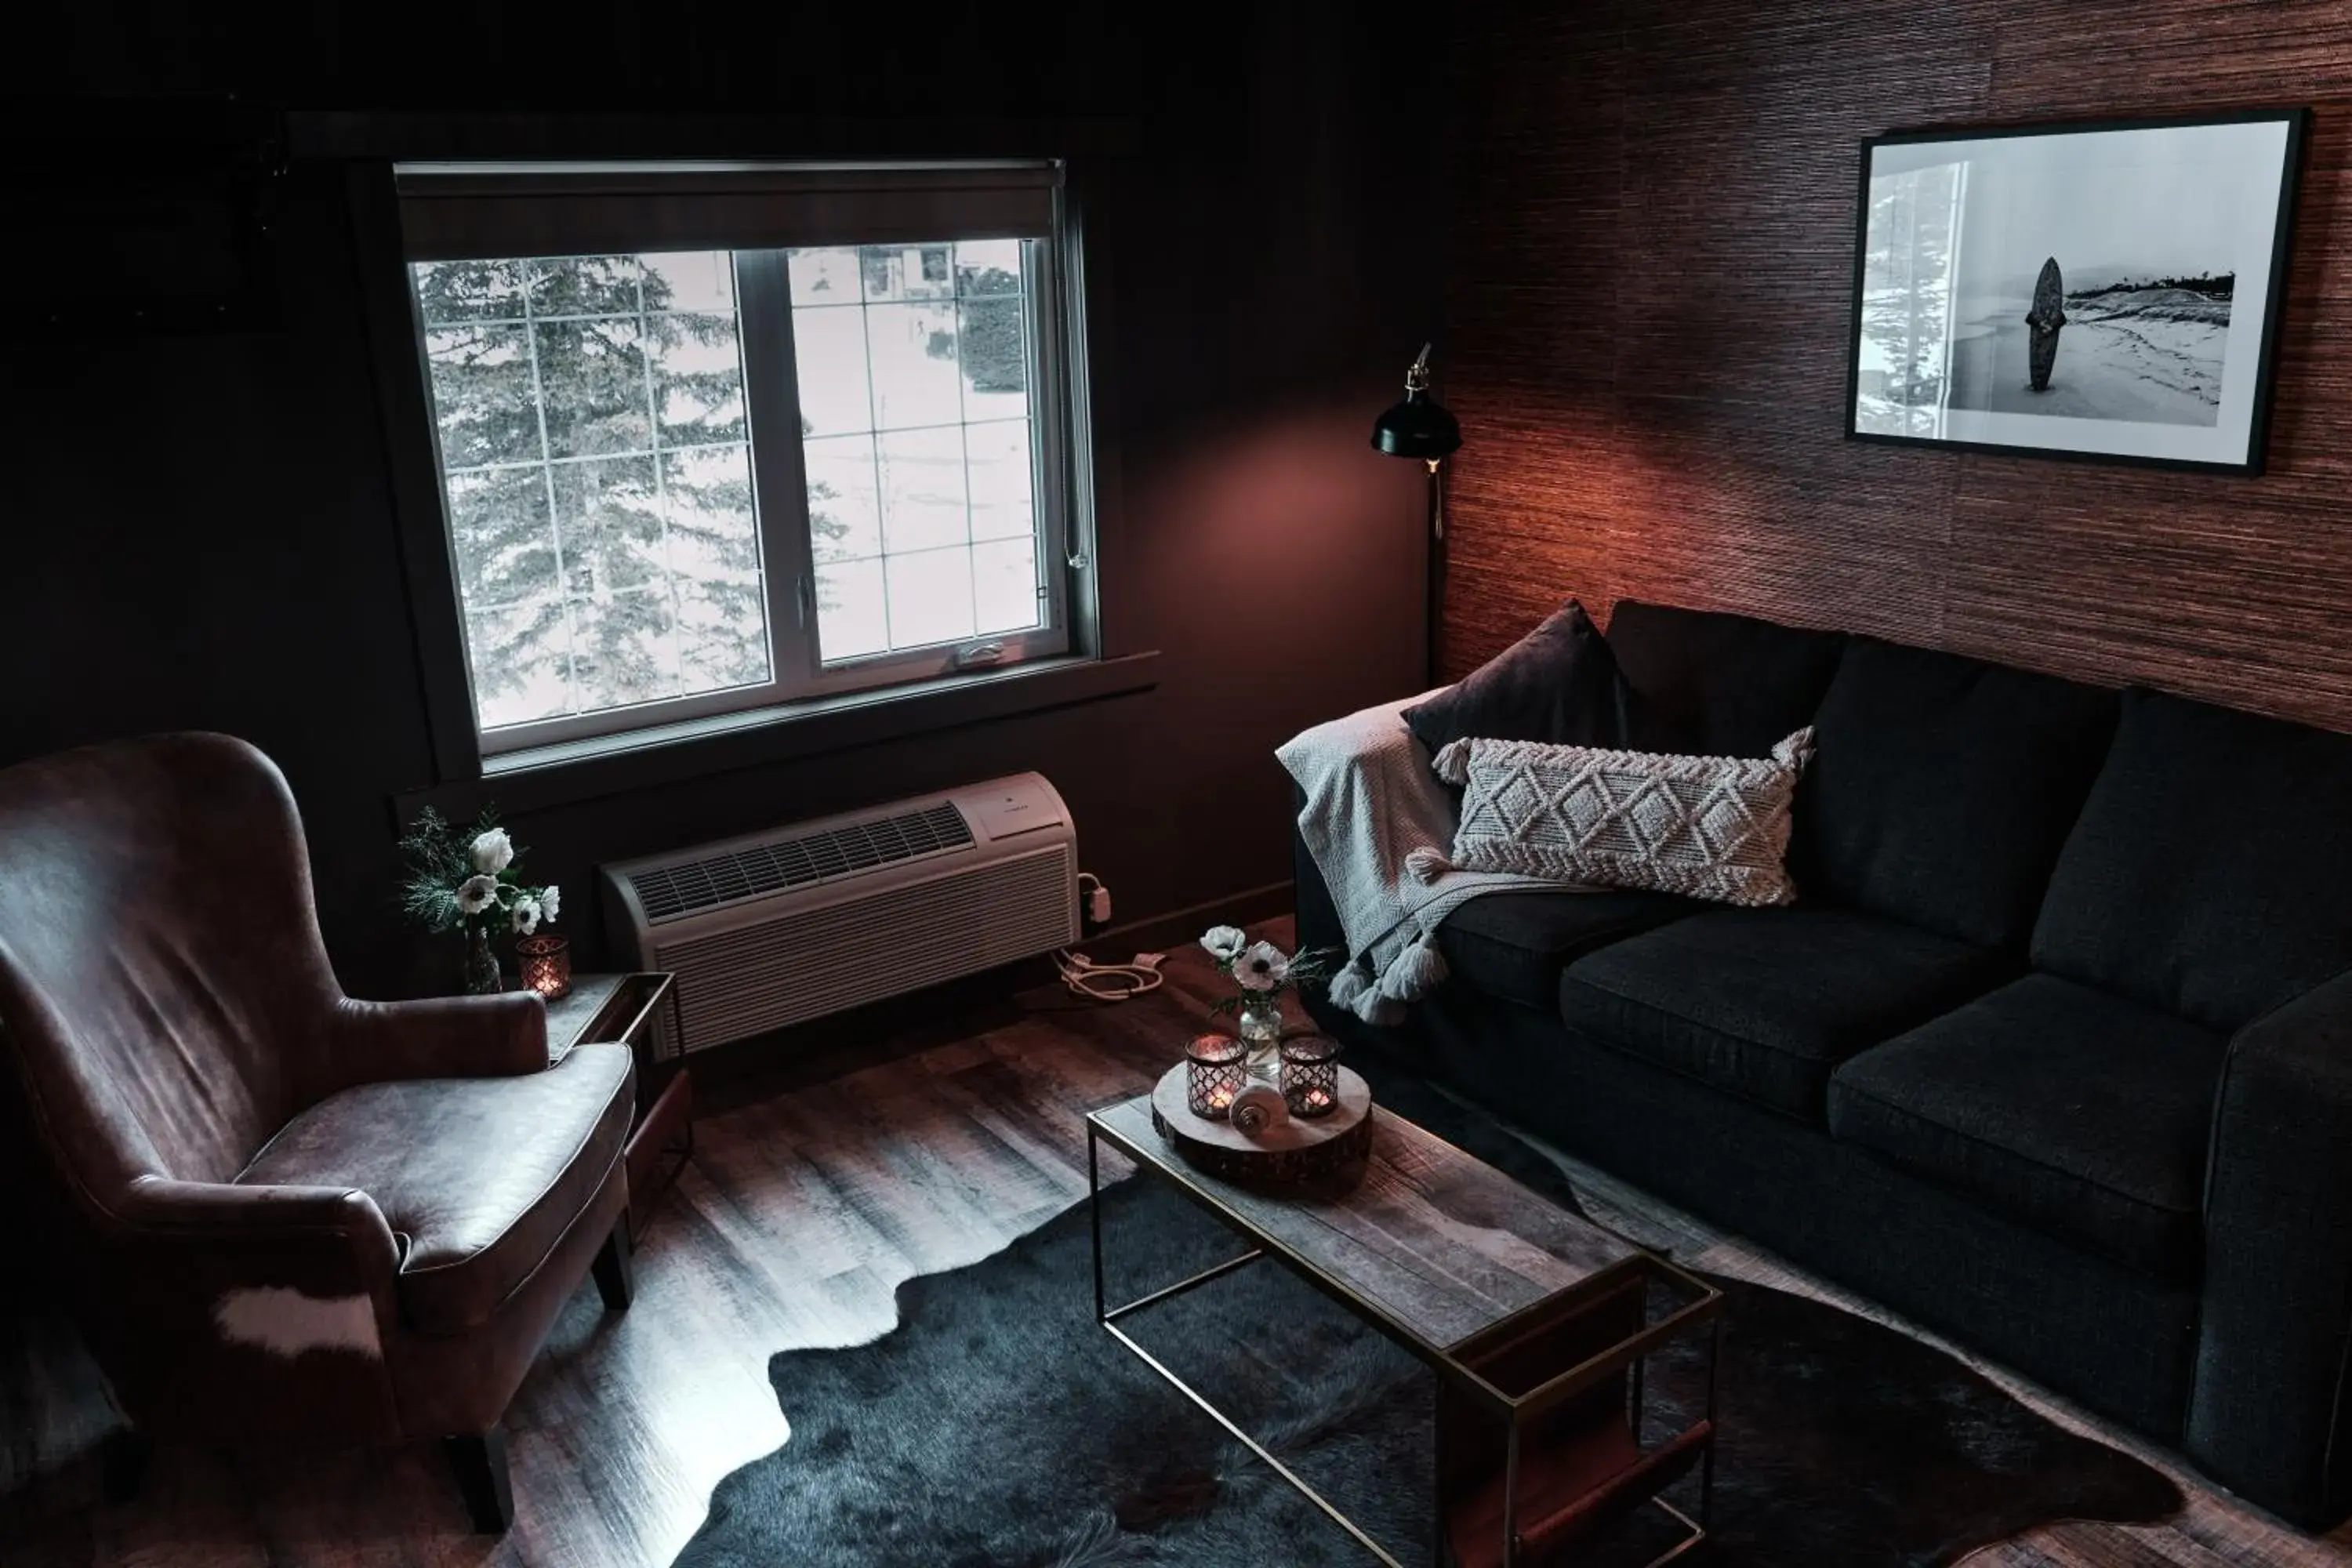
(1434, 1240)
(595, 1008)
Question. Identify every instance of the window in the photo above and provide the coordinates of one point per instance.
(802, 431)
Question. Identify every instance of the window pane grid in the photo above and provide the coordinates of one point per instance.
(661, 487)
(557, 319)
(621, 631)
(903, 560)
(600, 446)
(459, 471)
(555, 530)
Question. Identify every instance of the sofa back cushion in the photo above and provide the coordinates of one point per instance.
(2210, 872)
(1703, 683)
(1942, 788)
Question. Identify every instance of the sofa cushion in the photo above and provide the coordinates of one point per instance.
(1765, 1004)
(2082, 1114)
(1513, 946)
(480, 1176)
(2208, 872)
(1710, 684)
(1942, 788)
(1557, 683)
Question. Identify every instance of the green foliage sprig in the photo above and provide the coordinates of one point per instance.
(467, 880)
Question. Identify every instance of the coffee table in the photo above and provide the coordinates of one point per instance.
(1536, 1321)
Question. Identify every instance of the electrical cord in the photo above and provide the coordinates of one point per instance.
(1109, 982)
(1104, 982)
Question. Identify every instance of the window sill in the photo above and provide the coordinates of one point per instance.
(546, 776)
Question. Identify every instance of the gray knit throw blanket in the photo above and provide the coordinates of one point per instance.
(1371, 802)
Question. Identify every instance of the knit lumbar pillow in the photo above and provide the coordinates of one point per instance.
(1709, 827)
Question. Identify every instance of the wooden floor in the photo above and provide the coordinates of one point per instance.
(809, 1201)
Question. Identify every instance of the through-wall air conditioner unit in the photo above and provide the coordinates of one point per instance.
(813, 917)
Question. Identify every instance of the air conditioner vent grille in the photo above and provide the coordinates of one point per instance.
(767, 974)
(672, 892)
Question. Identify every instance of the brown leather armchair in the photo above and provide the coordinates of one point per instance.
(286, 1214)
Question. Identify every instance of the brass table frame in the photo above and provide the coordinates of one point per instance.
(661, 1144)
(1704, 1311)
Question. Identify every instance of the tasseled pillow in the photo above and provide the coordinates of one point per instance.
(1707, 827)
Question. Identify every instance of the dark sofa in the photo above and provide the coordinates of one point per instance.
(2053, 1053)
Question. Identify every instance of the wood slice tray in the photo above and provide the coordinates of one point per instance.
(1285, 1154)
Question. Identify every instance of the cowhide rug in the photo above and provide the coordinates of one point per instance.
(997, 1427)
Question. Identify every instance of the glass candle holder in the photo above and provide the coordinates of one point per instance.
(1216, 1068)
(546, 965)
(1310, 1074)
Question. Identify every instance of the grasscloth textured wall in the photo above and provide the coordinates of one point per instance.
(1647, 297)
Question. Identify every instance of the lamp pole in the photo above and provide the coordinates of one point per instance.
(1420, 427)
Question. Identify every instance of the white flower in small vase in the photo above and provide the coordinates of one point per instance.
(1260, 971)
(1224, 943)
(550, 900)
(475, 894)
(526, 916)
(1261, 966)
(493, 851)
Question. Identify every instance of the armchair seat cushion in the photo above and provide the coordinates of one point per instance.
(1765, 1004)
(480, 1177)
(2082, 1114)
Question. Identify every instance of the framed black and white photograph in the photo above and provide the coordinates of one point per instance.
(2105, 290)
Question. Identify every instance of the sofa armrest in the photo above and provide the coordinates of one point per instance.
(2270, 1409)
(499, 1036)
(1316, 918)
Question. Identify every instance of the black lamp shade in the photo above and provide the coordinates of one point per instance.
(1417, 427)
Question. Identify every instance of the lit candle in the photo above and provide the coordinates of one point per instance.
(1222, 1099)
(546, 965)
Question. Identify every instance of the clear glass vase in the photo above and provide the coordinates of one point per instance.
(1260, 1029)
(482, 975)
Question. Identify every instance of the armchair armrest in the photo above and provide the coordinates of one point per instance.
(2270, 1409)
(501, 1035)
(158, 1206)
(238, 1311)
(316, 1239)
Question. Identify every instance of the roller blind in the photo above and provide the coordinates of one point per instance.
(449, 212)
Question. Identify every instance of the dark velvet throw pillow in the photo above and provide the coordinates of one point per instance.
(1556, 684)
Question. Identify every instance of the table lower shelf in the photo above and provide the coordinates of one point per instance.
(659, 1148)
(1570, 1488)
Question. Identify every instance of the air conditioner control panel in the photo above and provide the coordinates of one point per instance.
(1005, 808)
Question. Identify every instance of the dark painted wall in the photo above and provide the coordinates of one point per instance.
(1648, 292)
(200, 532)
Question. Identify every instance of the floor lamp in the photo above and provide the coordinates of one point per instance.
(1419, 427)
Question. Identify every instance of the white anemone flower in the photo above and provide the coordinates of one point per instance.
(1225, 942)
(493, 851)
(1261, 967)
(526, 916)
(549, 901)
(475, 894)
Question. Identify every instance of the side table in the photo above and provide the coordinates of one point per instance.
(601, 1008)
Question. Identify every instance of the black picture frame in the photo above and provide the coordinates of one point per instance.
(2251, 438)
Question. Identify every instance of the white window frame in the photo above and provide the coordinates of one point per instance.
(1052, 282)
